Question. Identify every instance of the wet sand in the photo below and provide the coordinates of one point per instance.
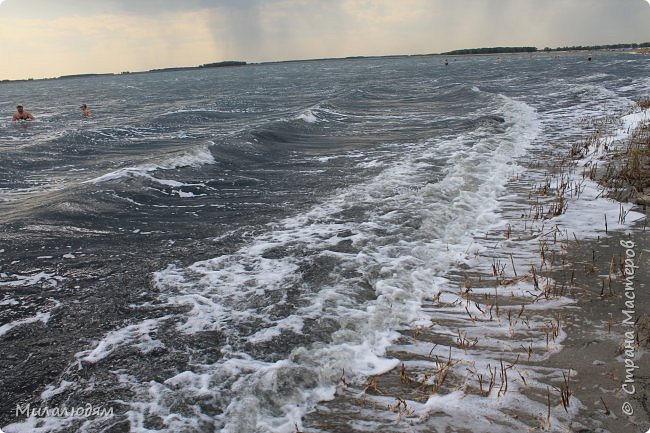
(596, 346)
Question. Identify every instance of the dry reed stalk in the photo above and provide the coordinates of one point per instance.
(342, 379)
(490, 384)
(546, 422)
(644, 103)
(401, 408)
(403, 376)
(512, 261)
(565, 391)
(463, 342)
(607, 412)
(441, 373)
(372, 384)
(504, 380)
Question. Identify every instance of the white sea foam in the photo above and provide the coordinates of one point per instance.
(319, 113)
(196, 158)
(591, 213)
(137, 335)
(308, 116)
(629, 124)
(39, 278)
(39, 317)
(50, 391)
(9, 301)
(291, 323)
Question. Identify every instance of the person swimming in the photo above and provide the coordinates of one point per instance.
(85, 112)
(22, 114)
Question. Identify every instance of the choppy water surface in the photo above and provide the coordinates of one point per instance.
(226, 249)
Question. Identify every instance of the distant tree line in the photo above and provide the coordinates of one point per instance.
(600, 47)
(492, 50)
(497, 50)
(222, 64)
(188, 68)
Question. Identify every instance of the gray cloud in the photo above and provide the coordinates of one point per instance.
(171, 32)
(251, 24)
(283, 29)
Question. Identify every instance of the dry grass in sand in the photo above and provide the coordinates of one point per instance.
(626, 170)
(644, 103)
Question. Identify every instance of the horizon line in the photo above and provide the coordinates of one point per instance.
(458, 52)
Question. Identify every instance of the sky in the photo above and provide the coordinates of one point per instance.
(46, 38)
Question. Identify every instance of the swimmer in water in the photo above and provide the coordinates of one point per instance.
(85, 112)
(22, 114)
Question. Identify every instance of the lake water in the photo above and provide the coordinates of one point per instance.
(225, 249)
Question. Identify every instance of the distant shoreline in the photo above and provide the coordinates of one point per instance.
(574, 48)
(224, 64)
(637, 48)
